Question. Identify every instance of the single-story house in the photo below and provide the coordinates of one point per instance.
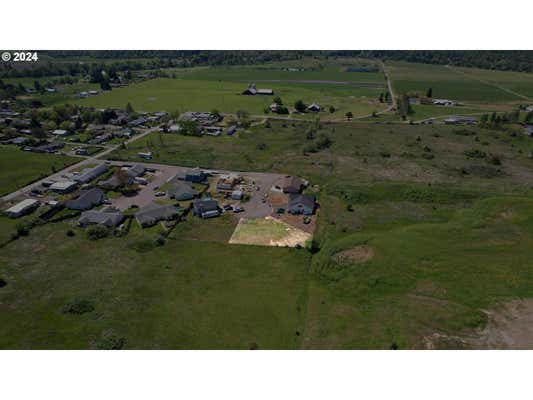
(87, 200)
(458, 120)
(444, 102)
(18, 141)
(237, 195)
(114, 182)
(181, 191)
(193, 175)
(152, 213)
(63, 186)
(90, 174)
(202, 118)
(136, 171)
(206, 208)
(108, 216)
(313, 107)
(290, 184)
(46, 147)
(22, 208)
(301, 204)
(139, 122)
(82, 152)
(212, 130)
(60, 132)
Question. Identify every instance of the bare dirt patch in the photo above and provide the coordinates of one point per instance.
(268, 231)
(509, 327)
(357, 254)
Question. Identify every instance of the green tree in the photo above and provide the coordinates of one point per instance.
(299, 105)
(331, 109)
(129, 108)
(429, 93)
(349, 115)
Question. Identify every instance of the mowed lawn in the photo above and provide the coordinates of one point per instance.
(450, 83)
(18, 168)
(188, 294)
(200, 95)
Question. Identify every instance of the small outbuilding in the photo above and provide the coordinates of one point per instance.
(22, 208)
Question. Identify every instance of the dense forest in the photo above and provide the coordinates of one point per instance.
(55, 63)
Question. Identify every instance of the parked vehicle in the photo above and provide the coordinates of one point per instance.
(160, 194)
(238, 209)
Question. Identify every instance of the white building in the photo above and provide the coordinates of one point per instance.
(22, 208)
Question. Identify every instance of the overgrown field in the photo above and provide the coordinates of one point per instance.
(19, 168)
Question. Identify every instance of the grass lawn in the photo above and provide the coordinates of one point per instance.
(187, 294)
(19, 168)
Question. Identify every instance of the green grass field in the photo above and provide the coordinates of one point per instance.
(19, 168)
(452, 84)
(187, 294)
(183, 95)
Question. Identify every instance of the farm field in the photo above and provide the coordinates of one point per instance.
(194, 95)
(452, 84)
(19, 168)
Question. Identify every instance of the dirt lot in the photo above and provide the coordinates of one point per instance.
(268, 231)
(510, 326)
(357, 254)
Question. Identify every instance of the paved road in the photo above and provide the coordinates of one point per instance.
(89, 160)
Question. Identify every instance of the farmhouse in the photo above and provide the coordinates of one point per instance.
(444, 102)
(63, 186)
(90, 174)
(301, 204)
(458, 120)
(87, 200)
(181, 191)
(252, 90)
(313, 107)
(152, 213)
(289, 184)
(108, 216)
(22, 208)
(206, 208)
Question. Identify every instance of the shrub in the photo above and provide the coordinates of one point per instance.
(97, 232)
(475, 153)
(111, 342)
(22, 229)
(2, 282)
(78, 306)
(70, 233)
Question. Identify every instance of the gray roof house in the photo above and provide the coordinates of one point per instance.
(136, 171)
(195, 175)
(181, 191)
(290, 184)
(152, 213)
(22, 208)
(301, 204)
(90, 174)
(252, 90)
(108, 216)
(314, 107)
(87, 200)
(206, 208)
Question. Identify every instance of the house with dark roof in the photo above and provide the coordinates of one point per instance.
(206, 208)
(290, 184)
(89, 174)
(153, 213)
(136, 171)
(313, 107)
(116, 182)
(108, 217)
(181, 191)
(301, 204)
(87, 200)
